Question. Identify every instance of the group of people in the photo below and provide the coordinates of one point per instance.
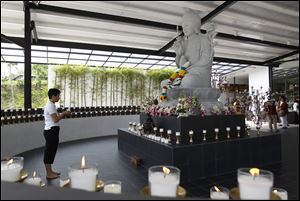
(281, 110)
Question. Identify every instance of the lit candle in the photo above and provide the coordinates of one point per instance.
(191, 132)
(216, 130)
(169, 132)
(281, 193)
(255, 183)
(114, 187)
(83, 177)
(155, 129)
(177, 133)
(11, 169)
(204, 131)
(35, 180)
(227, 129)
(163, 181)
(238, 128)
(161, 130)
(219, 193)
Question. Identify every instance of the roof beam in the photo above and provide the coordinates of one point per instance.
(204, 20)
(11, 40)
(270, 61)
(125, 49)
(103, 16)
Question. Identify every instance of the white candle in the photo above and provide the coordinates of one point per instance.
(36, 181)
(113, 187)
(191, 132)
(281, 193)
(255, 187)
(204, 131)
(238, 128)
(219, 193)
(169, 132)
(162, 184)
(11, 169)
(227, 129)
(83, 177)
(216, 130)
(177, 133)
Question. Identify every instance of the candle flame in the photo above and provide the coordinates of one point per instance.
(217, 189)
(275, 191)
(83, 162)
(34, 173)
(10, 162)
(166, 171)
(254, 171)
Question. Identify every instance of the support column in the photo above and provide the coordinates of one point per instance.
(271, 78)
(27, 52)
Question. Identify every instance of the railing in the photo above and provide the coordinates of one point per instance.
(14, 116)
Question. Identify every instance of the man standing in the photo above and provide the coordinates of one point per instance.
(51, 131)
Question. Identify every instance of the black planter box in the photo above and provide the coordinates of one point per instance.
(200, 160)
(198, 124)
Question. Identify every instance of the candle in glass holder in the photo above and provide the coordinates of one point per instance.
(228, 132)
(83, 176)
(11, 168)
(281, 193)
(177, 137)
(169, 132)
(255, 184)
(113, 186)
(35, 180)
(216, 131)
(163, 180)
(204, 135)
(219, 193)
(238, 128)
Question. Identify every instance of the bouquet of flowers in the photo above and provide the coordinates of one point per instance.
(188, 105)
(215, 110)
(229, 110)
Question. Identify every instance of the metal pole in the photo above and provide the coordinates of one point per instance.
(27, 50)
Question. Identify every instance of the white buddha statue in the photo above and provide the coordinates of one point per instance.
(197, 49)
(194, 57)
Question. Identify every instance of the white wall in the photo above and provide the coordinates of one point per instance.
(18, 138)
(259, 77)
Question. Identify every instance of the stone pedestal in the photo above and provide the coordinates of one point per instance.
(207, 97)
(198, 161)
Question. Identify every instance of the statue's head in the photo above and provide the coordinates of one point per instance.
(191, 22)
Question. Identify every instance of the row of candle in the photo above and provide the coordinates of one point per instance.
(133, 126)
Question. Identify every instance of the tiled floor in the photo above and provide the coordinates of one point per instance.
(115, 165)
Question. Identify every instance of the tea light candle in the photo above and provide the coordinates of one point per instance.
(191, 132)
(35, 180)
(163, 181)
(204, 131)
(216, 130)
(11, 169)
(281, 193)
(83, 177)
(177, 134)
(114, 187)
(155, 129)
(227, 129)
(255, 184)
(169, 132)
(161, 130)
(219, 193)
(238, 128)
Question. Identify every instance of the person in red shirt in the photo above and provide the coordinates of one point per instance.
(283, 111)
(272, 115)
